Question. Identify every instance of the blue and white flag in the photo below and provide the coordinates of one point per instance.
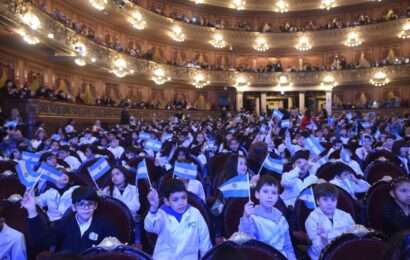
(185, 170)
(366, 124)
(345, 155)
(275, 165)
(153, 145)
(32, 157)
(308, 197)
(312, 126)
(313, 145)
(285, 123)
(142, 170)
(276, 113)
(10, 124)
(99, 168)
(236, 187)
(26, 174)
(166, 137)
(144, 136)
(377, 134)
(322, 160)
(49, 173)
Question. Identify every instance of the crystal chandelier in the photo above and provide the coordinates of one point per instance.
(327, 4)
(120, 68)
(28, 37)
(238, 4)
(261, 44)
(137, 20)
(99, 4)
(200, 80)
(31, 20)
(281, 6)
(284, 81)
(353, 40)
(80, 49)
(241, 82)
(159, 76)
(328, 82)
(379, 79)
(177, 34)
(405, 31)
(80, 62)
(218, 41)
(303, 44)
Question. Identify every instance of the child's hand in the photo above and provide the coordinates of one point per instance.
(29, 203)
(153, 200)
(322, 233)
(249, 209)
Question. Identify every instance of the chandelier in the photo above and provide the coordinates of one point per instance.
(328, 82)
(241, 82)
(238, 4)
(281, 6)
(99, 4)
(137, 20)
(80, 49)
(327, 4)
(405, 31)
(303, 44)
(261, 44)
(177, 34)
(120, 68)
(284, 81)
(31, 20)
(200, 80)
(159, 76)
(218, 41)
(353, 40)
(28, 37)
(80, 62)
(197, 1)
(379, 79)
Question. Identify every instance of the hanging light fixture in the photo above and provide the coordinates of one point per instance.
(261, 44)
(31, 20)
(241, 82)
(284, 81)
(80, 62)
(379, 79)
(327, 4)
(328, 82)
(218, 41)
(99, 4)
(80, 49)
(200, 80)
(353, 40)
(197, 1)
(28, 37)
(177, 34)
(303, 44)
(405, 31)
(120, 68)
(159, 76)
(238, 4)
(137, 20)
(281, 6)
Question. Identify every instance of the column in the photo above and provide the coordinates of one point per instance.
(302, 102)
(328, 103)
(263, 102)
(257, 106)
(239, 101)
(290, 102)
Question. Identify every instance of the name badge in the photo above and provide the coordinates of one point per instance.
(93, 236)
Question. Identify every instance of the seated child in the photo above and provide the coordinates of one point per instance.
(326, 222)
(12, 242)
(182, 231)
(348, 181)
(265, 222)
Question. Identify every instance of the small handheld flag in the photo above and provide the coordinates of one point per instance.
(236, 187)
(32, 157)
(278, 114)
(26, 174)
(285, 123)
(153, 145)
(275, 165)
(142, 171)
(144, 136)
(344, 155)
(313, 145)
(185, 170)
(308, 197)
(49, 173)
(99, 168)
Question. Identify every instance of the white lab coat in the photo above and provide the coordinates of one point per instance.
(351, 187)
(117, 151)
(178, 240)
(196, 188)
(73, 162)
(56, 204)
(293, 185)
(342, 223)
(12, 244)
(129, 197)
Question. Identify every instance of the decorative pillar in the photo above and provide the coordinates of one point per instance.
(328, 103)
(257, 106)
(239, 101)
(263, 103)
(302, 102)
(290, 102)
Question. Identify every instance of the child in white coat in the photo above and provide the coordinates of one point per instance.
(182, 231)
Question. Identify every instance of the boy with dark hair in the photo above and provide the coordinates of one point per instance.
(182, 231)
(265, 222)
(74, 232)
(326, 222)
(12, 242)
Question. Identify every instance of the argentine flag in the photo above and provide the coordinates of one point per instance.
(32, 157)
(308, 197)
(10, 124)
(142, 170)
(26, 174)
(166, 137)
(313, 145)
(344, 155)
(153, 145)
(144, 136)
(236, 187)
(49, 173)
(275, 165)
(185, 170)
(285, 123)
(99, 168)
(276, 113)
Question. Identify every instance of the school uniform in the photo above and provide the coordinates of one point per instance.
(180, 236)
(68, 235)
(117, 151)
(355, 166)
(270, 228)
(129, 197)
(196, 188)
(351, 187)
(292, 185)
(91, 140)
(12, 244)
(394, 219)
(56, 203)
(341, 223)
(73, 162)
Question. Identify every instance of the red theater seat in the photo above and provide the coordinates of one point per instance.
(377, 169)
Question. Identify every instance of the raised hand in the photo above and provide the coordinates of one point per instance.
(153, 200)
(29, 203)
(249, 209)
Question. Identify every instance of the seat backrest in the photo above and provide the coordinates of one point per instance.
(377, 169)
(119, 253)
(7, 166)
(329, 170)
(10, 185)
(376, 197)
(376, 155)
(350, 246)
(345, 202)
